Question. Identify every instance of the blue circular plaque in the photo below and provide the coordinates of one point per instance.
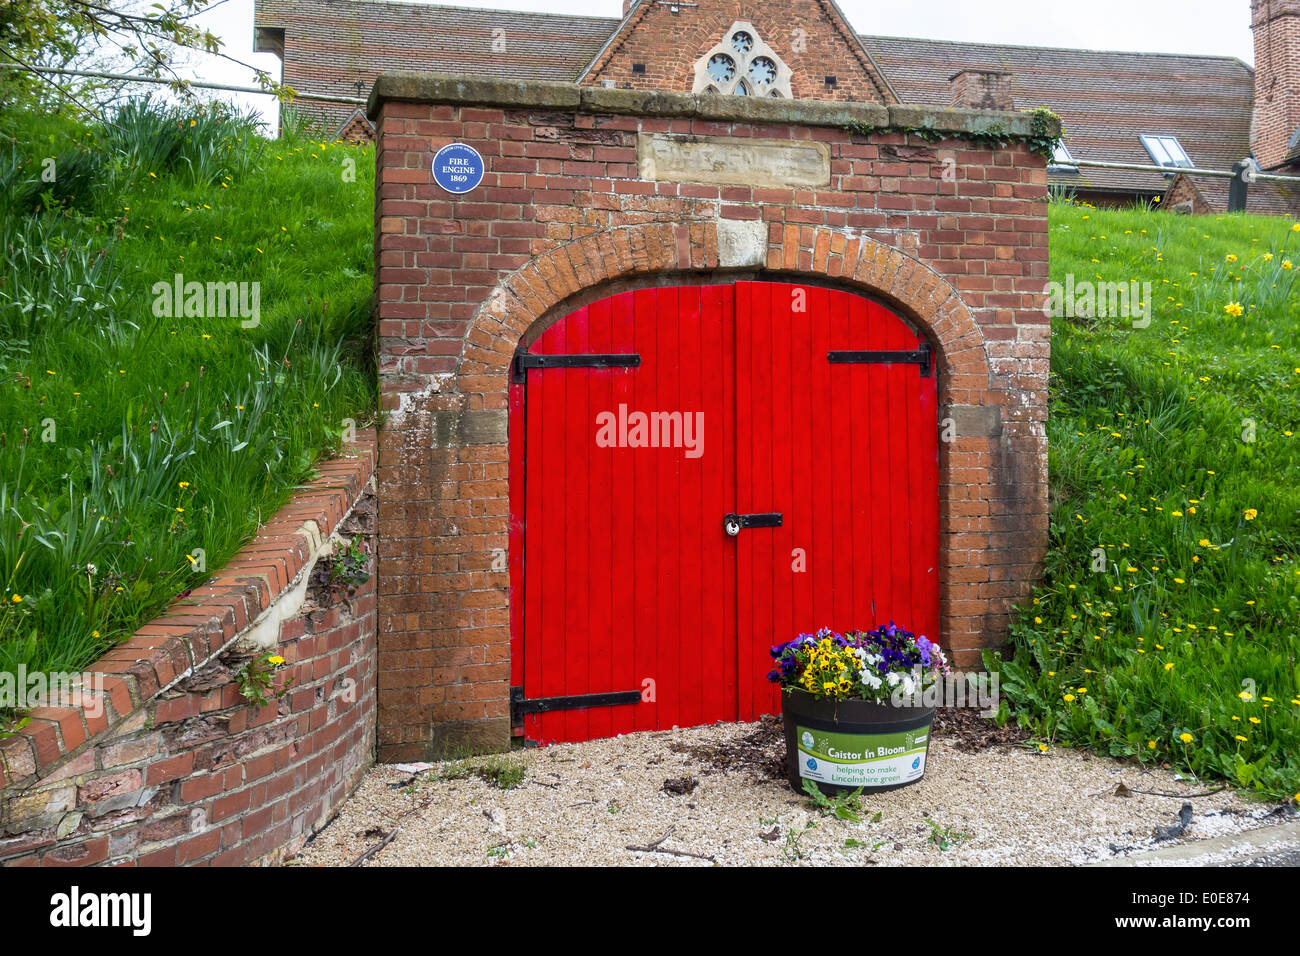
(457, 168)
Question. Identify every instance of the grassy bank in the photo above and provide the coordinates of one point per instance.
(1169, 625)
(143, 440)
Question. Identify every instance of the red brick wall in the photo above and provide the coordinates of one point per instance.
(562, 217)
(180, 769)
(812, 39)
(1277, 77)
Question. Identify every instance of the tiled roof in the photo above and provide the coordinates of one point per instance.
(1105, 98)
(373, 38)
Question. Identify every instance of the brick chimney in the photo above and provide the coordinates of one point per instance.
(1276, 25)
(983, 89)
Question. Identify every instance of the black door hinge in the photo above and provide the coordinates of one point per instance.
(526, 360)
(520, 705)
(922, 357)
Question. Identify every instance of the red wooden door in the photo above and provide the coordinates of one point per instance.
(848, 452)
(629, 583)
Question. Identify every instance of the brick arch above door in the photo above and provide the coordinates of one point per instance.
(549, 282)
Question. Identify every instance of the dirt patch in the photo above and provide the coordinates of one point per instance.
(760, 752)
(967, 731)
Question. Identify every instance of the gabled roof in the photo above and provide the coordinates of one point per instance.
(697, 26)
(1107, 99)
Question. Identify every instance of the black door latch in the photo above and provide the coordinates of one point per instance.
(733, 523)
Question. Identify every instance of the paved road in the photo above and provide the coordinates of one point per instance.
(1277, 845)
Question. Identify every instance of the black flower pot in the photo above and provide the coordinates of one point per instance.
(843, 745)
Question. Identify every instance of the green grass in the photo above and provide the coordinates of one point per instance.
(128, 441)
(1175, 460)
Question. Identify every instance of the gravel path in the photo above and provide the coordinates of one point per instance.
(710, 792)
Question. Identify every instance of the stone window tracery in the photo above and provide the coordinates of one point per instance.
(743, 65)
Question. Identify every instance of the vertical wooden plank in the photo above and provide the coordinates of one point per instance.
(860, 464)
(578, 439)
(690, 367)
(534, 553)
(667, 507)
(725, 449)
(625, 625)
(599, 522)
(902, 391)
(711, 634)
(927, 502)
(809, 372)
(761, 540)
(645, 498)
(823, 380)
(786, 325)
(840, 462)
(744, 500)
(517, 446)
(877, 437)
(549, 386)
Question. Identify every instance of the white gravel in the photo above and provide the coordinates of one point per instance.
(586, 804)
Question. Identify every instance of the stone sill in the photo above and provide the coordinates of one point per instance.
(539, 94)
(196, 628)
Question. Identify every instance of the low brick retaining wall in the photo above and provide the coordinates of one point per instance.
(177, 767)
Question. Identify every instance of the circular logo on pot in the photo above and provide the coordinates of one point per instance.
(807, 739)
(812, 764)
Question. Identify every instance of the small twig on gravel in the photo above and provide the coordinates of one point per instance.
(654, 843)
(656, 847)
(397, 825)
(375, 849)
(1123, 790)
(660, 849)
(1183, 796)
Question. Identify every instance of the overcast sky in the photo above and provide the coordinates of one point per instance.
(1219, 27)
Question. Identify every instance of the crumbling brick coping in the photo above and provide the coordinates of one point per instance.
(196, 629)
(478, 91)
